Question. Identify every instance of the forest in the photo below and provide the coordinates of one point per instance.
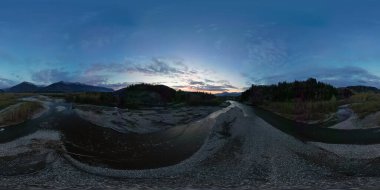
(309, 90)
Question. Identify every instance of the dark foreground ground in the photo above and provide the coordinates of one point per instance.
(242, 151)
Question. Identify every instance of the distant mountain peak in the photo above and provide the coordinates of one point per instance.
(26, 82)
(63, 86)
(63, 82)
(24, 87)
(59, 87)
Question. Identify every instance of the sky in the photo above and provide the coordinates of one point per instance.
(197, 45)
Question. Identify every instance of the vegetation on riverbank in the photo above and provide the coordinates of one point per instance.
(311, 100)
(365, 104)
(303, 111)
(7, 99)
(20, 113)
(310, 90)
(197, 98)
(308, 100)
(143, 95)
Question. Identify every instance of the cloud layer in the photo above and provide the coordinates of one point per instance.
(5, 83)
(172, 72)
(50, 75)
(160, 67)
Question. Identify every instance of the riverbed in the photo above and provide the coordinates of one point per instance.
(237, 147)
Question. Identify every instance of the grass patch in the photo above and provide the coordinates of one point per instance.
(365, 104)
(21, 113)
(366, 108)
(364, 97)
(7, 99)
(305, 111)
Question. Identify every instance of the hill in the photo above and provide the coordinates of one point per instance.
(363, 89)
(145, 94)
(24, 87)
(67, 87)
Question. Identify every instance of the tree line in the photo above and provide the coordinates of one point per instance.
(309, 90)
(138, 95)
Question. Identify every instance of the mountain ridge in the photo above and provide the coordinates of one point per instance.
(58, 87)
(24, 87)
(73, 87)
(361, 89)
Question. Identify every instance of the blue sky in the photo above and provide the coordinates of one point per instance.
(208, 45)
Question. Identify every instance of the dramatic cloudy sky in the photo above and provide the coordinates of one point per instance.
(209, 45)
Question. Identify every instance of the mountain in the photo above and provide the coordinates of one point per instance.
(363, 89)
(60, 87)
(24, 87)
(231, 94)
(1, 90)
